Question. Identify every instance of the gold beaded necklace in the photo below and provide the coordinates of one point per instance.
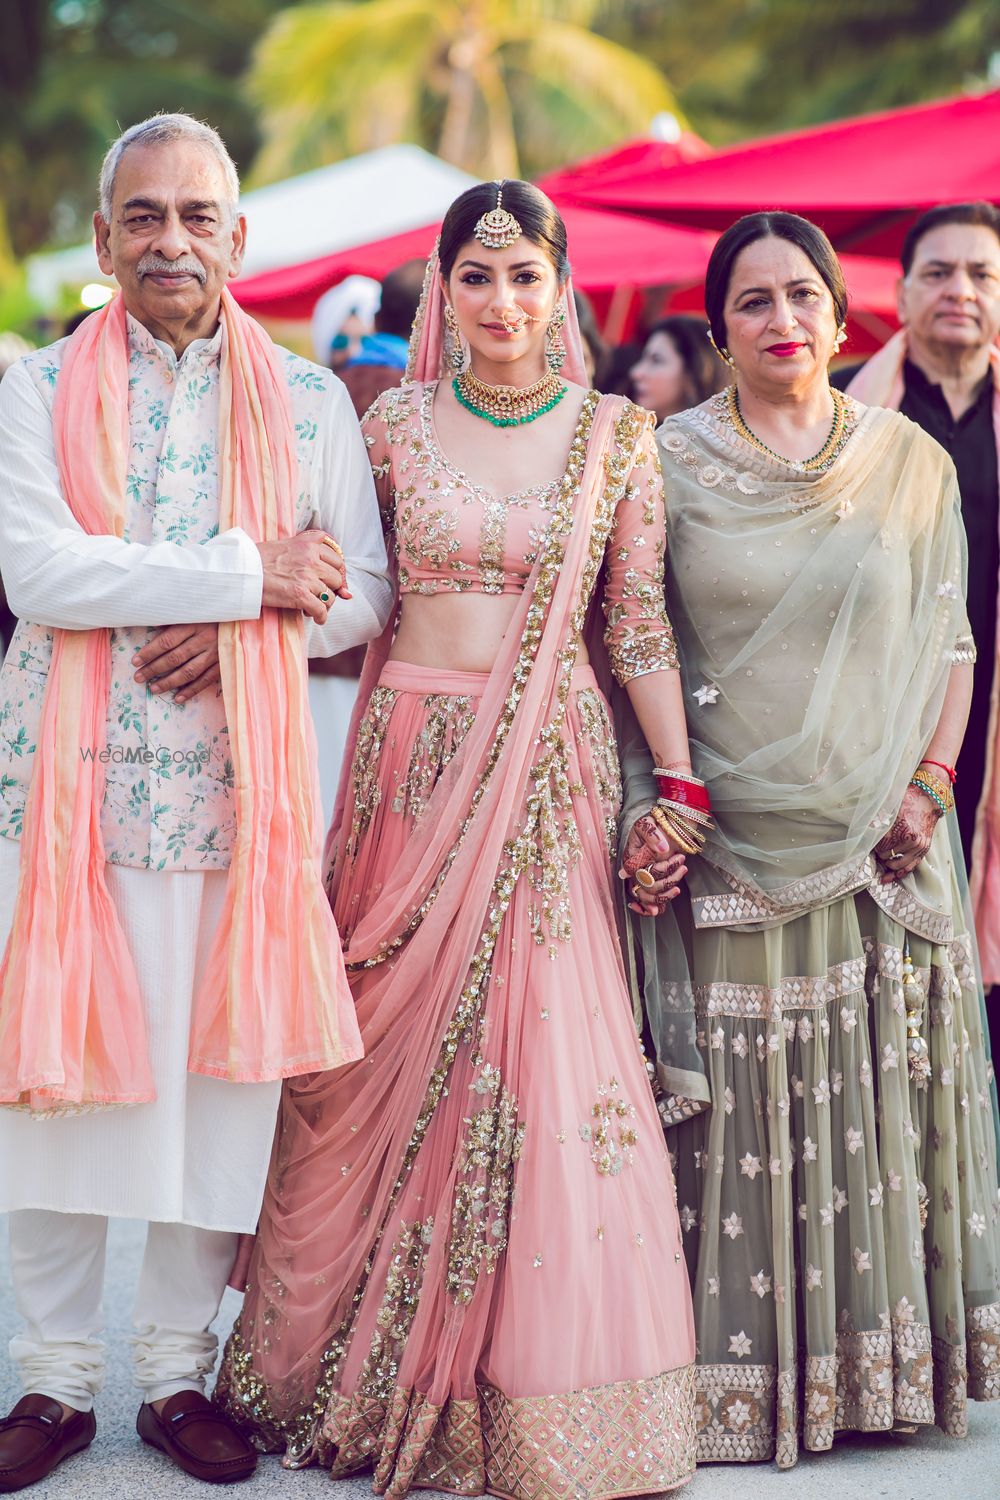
(818, 460)
(508, 405)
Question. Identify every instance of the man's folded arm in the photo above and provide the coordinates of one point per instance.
(57, 575)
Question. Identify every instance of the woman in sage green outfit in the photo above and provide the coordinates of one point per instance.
(815, 987)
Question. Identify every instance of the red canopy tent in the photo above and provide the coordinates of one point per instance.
(863, 180)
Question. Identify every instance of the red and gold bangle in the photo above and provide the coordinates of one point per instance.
(686, 793)
(686, 839)
(949, 771)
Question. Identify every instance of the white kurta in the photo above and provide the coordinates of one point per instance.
(199, 1153)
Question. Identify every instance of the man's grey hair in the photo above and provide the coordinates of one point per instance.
(161, 130)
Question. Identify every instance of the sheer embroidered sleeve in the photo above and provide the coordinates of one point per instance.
(638, 634)
(375, 426)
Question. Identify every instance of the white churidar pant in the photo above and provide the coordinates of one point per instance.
(57, 1265)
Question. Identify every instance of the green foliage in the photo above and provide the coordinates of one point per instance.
(74, 72)
(499, 87)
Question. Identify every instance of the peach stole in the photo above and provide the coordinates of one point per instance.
(880, 383)
(274, 999)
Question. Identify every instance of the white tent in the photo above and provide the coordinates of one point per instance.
(333, 208)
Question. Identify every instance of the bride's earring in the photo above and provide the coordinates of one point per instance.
(454, 348)
(841, 337)
(555, 349)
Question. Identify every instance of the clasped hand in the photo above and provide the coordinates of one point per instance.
(298, 572)
(909, 838)
(648, 848)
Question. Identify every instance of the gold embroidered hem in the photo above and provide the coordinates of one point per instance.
(636, 1437)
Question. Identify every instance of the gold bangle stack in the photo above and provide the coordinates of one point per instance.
(690, 840)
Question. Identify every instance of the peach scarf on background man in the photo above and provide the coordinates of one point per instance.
(274, 998)
(880, 383)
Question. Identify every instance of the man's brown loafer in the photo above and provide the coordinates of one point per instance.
(34, 1440)
(198, 1437)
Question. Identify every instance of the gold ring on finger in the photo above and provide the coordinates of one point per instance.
(335, 545)
(645, 877)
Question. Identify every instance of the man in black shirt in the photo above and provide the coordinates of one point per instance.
(949, 306)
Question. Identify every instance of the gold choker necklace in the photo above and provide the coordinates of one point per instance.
(508, 405)
(818, 460)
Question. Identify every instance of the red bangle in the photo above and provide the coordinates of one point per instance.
(949, 771)
(672, 789)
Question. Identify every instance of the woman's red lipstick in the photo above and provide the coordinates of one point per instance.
(784, 351)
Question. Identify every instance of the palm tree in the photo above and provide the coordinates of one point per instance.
(499, 87)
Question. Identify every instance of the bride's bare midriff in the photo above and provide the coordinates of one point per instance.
(456, 632)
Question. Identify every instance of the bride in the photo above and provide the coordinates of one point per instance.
(468, 1274)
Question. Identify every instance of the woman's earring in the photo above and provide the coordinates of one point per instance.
(723, 353)
(841, 337)
(555, 349)
(454, 351)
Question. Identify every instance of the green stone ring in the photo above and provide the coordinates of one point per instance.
(325, 598)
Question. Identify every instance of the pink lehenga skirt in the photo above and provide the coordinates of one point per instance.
(523, 1323)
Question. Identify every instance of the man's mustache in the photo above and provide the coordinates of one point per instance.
(157, 265)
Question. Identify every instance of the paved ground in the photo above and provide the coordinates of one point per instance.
(119, 1467)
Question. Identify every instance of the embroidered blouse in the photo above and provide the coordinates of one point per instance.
(452, 535)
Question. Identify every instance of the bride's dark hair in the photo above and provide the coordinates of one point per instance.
(537, 215)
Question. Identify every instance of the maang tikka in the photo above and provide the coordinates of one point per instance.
(498, 229)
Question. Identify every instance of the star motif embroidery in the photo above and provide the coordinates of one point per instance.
(741, 1046)
(732, 1226)
(821, 1091)
(814, 1278)
(809, 1150)
(848, 1019)
(862, 1261)
(739, 1344)
(976, 1225)
(826, 1216)
(688, 1218)
(761, 1284)
(865, 1073)
(853, 1140)
(750, 1166)
(904, 1310)
(713, 1286)
(875, 1196)
(890, 1058)
(775, 1166)
(839, 1199)
(717, 1038)
(893, 1181)
(707, 694)
(730, 1099)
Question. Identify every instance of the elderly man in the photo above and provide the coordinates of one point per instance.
(169, 953)
(942, 370)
